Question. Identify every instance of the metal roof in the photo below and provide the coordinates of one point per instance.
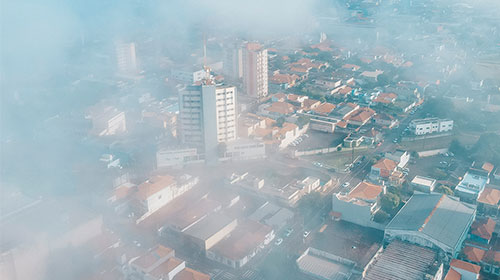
(441, 217)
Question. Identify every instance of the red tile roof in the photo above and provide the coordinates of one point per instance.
(361, 115)
(385, 164)
(324, 109)
(365, 190)
(488, 167)
(386, 98)
(283, 108)
(453, 275)
(465, 266)
(489, 196)
(483, 228)
(147, 260)
(474, 254)
(190, 274)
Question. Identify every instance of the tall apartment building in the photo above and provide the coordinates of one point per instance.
(126, 60)
(255, 70)
(430, 125)
(207, 117)
(233, 61)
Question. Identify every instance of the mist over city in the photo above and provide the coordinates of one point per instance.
(250, 140)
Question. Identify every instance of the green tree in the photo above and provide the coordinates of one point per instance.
(381, 216)
(444, 189)
(302, 120)
(280, 121)
(389, 202)
(309, 203)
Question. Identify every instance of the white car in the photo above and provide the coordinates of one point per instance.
(346, 184)
(278, 241)
(306, 234)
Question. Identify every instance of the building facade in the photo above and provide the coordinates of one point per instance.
(430, 125)
(255, 77)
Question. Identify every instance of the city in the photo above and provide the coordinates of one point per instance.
(186, 140)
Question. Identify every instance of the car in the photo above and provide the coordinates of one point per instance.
(443, 162)
(395, 140)
(345, 185)
(278, 241)
(306, 234)
(288, 232)
(306, 135)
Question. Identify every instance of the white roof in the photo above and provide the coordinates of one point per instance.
(423, 181)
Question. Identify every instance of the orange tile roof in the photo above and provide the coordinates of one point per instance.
(489, 196)
(284, 78)
(361, 115)
(147, 260)
(474, 254)
(385, 164)
(154, 185)
(345, 90)
(386, 98)
(283, 108)
(465, 266)
(311, 103)
(323, 46)
(488, 167)
(123, 191)
(492, 257)
(453, 275)
(191, 274)
(324, 108)
(483, 228)
(341, 124)
(365, 190)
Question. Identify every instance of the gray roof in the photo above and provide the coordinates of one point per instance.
(441, 217)
(209, 226)
(401, 260)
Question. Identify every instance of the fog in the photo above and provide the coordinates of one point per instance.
(58, 67)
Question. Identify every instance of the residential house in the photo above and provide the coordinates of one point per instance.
(361, 116)
(276, 109)
(324, 109)
(284, 81)
(385, 120)
(359, 205)
(473, 254)
(491, 263)
(382, 169)
(430, 125)
(488, 202)
(401, 157)
(481, 231)
(462, 270)
(385, 98)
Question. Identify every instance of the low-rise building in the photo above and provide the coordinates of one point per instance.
(361, 116)
(423, 184)
(180, 156)
(383, 169)
(401, 157)
(433, 220)
(430, 125)
(272, 215)
(209, 231)
(323, 265)
(404, 261)
(359, 205)
(482, 230)
(472, 185)
(242, 245)
(106, 120)
(488, 202)
(385, 120)
(158, 191)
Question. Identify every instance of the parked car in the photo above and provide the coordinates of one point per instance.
(345, 185)
(278, 241)
(289, 232)
(306, 234)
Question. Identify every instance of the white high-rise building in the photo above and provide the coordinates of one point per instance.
(125, 59)
(255, 70)
(207, 116)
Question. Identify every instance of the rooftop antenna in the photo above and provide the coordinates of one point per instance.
(205, 66)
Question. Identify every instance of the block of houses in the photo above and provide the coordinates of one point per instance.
(423, 184)
(488, 202)
(359, 205)
(462, 270)
(385, 98)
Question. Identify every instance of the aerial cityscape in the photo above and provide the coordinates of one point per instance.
(250, 140)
